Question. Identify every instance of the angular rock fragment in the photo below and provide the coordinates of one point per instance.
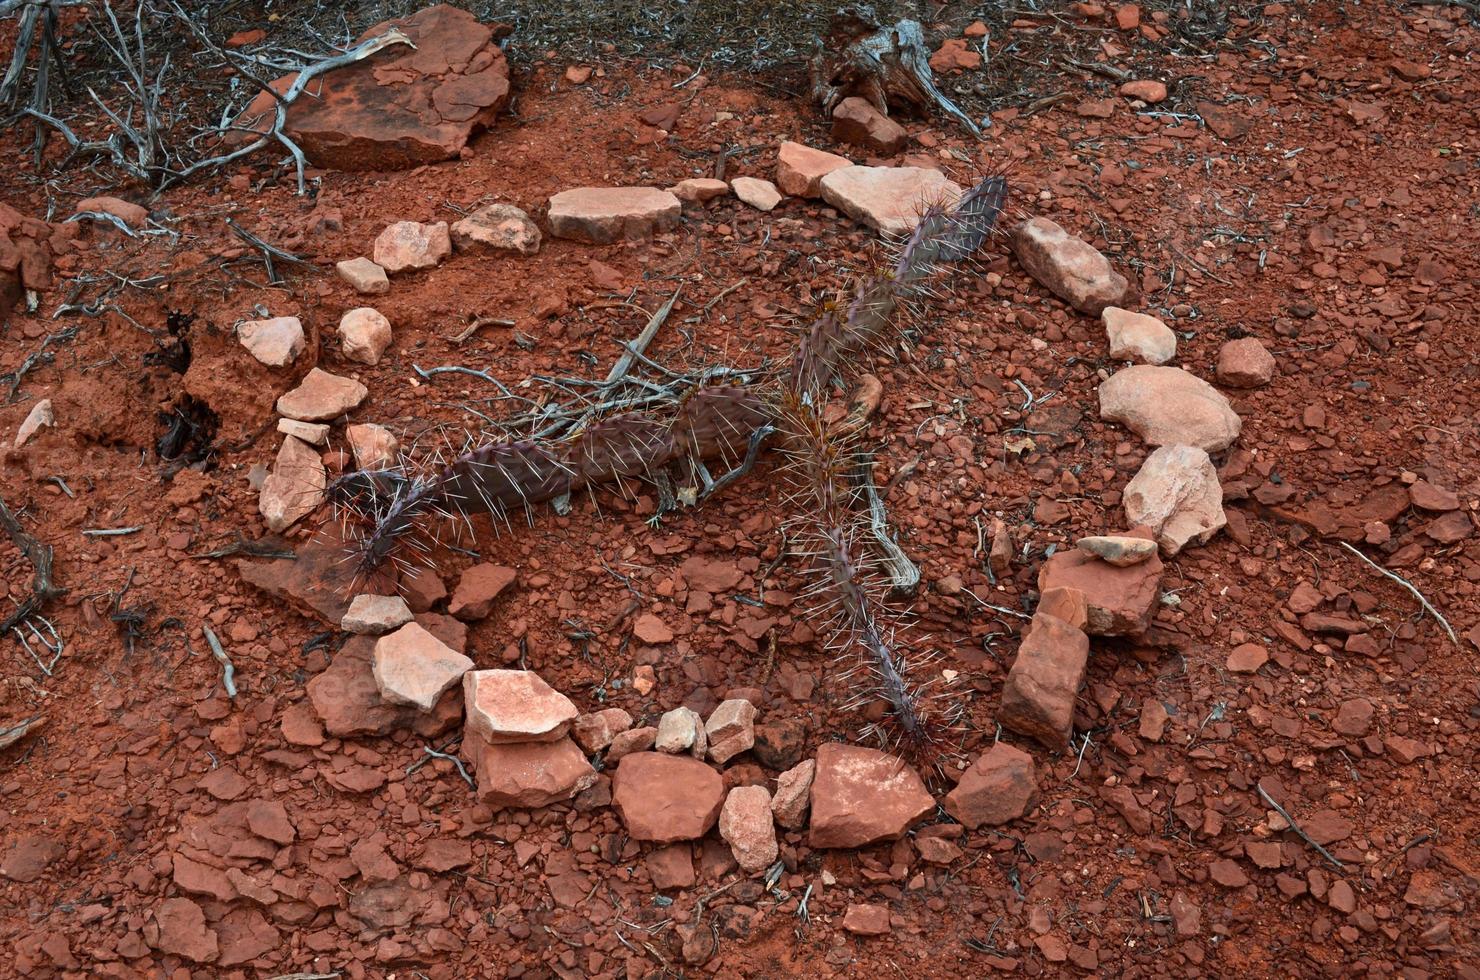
(1038, 696)
(682, 730)
(497, 226)
(1119, 550)
(478, 589)
(856, 121)
(1068, 267)
(699, 189)
(861, 796)
(800, 168)
(414, 667)
(410, 245)
(666, 798)
(1138, 337)
(276, 342)
(363, 276)
(1177, 495)
(1001, 786)
(1245, 363)
(364, 334)
(528, 774)
(515, 706)
(793, 794)
(321, 396)
(746, 824)
(1120, 600)
(295, 488)
(39, 417)
(595, 731)
(730, 730)
(372, 615)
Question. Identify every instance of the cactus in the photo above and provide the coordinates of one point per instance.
(398, 508)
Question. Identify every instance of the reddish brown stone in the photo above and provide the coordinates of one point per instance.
(1038, 696)
(1000, 786)
(861, 796)
(666, 798)
(1120, 600)
(403, 106)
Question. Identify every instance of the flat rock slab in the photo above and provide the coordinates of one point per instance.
(861, 796)
(602, 215)
(1119, 601)
(1069, 267)
(888, 199)
(666, 798)
(497, 226)
(412, 666)
(529, 774)
(515, 706)
(276, 341)
(322, 396)
(401, 107)
(403, 246)
(1167, 406)
(319, 582)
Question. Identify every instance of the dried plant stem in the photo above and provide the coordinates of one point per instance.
(1410, 587)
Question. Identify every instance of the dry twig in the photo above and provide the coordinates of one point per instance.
(1410, 587)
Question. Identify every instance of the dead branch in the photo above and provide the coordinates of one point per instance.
(43, 589)
(1410, 587)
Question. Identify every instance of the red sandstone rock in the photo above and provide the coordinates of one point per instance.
(666, 798)
(861, 796)
(1038, 696)
(1000, 786)
(1120, 600)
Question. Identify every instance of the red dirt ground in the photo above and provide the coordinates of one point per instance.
(1341, 235)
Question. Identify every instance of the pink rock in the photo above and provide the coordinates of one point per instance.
(364, 334)
(602, 215)
(414, 667)
(374, 446)
(39, 417)
(1138, 337)
(347, 699)
(793, 794)
(682, 730)
(1177, 495)
(889, 199)
(515, 706)
(1245, 363)
(856, 121)
(322, 396)
(746, 824)
(276, 342)
(595, 731)
(1001, 786)
(478, 588)
(861, 796)
(1038, 696)
(497, 226)
(363, 275)
(295, 487)
(1119, 599)
(699, 189)
(651, 629)
(866, 920)
(955, 54)
(1120, 550)
(800, 169)
(666, 798)
(313, 433)
(179, 928)
(1147, 90)
(411, 245)
(1068, 267)
(1166, 406)
(404, 106)
(730, 730)
(528, 774)
(133, 215)
(372, 615)
(759, 194)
